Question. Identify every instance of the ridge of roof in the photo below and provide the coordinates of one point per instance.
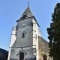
(43, 39)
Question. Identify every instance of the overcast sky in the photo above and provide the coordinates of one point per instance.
(11, 11)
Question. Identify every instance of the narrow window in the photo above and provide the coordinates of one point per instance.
(23, 34)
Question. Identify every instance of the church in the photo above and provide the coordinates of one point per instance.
(26, 40)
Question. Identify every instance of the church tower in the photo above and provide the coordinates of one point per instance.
(24, 39)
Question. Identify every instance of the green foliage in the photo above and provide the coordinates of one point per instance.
(54, 34)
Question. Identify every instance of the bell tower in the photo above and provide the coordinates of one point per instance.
(24, 39)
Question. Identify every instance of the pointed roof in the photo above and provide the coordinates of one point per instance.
(27, 14)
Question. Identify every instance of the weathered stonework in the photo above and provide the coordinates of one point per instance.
(26, 41)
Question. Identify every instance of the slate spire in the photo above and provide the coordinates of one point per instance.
(27, 13)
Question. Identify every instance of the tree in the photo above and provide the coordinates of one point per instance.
(54, 34)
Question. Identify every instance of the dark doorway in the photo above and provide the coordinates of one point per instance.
(44, 57)
(21, 56)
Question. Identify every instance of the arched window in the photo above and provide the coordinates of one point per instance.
(23, 34)
(44, 57)
(21, 56)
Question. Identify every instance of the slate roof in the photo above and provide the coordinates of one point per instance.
(43, 44)
(27, 14)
